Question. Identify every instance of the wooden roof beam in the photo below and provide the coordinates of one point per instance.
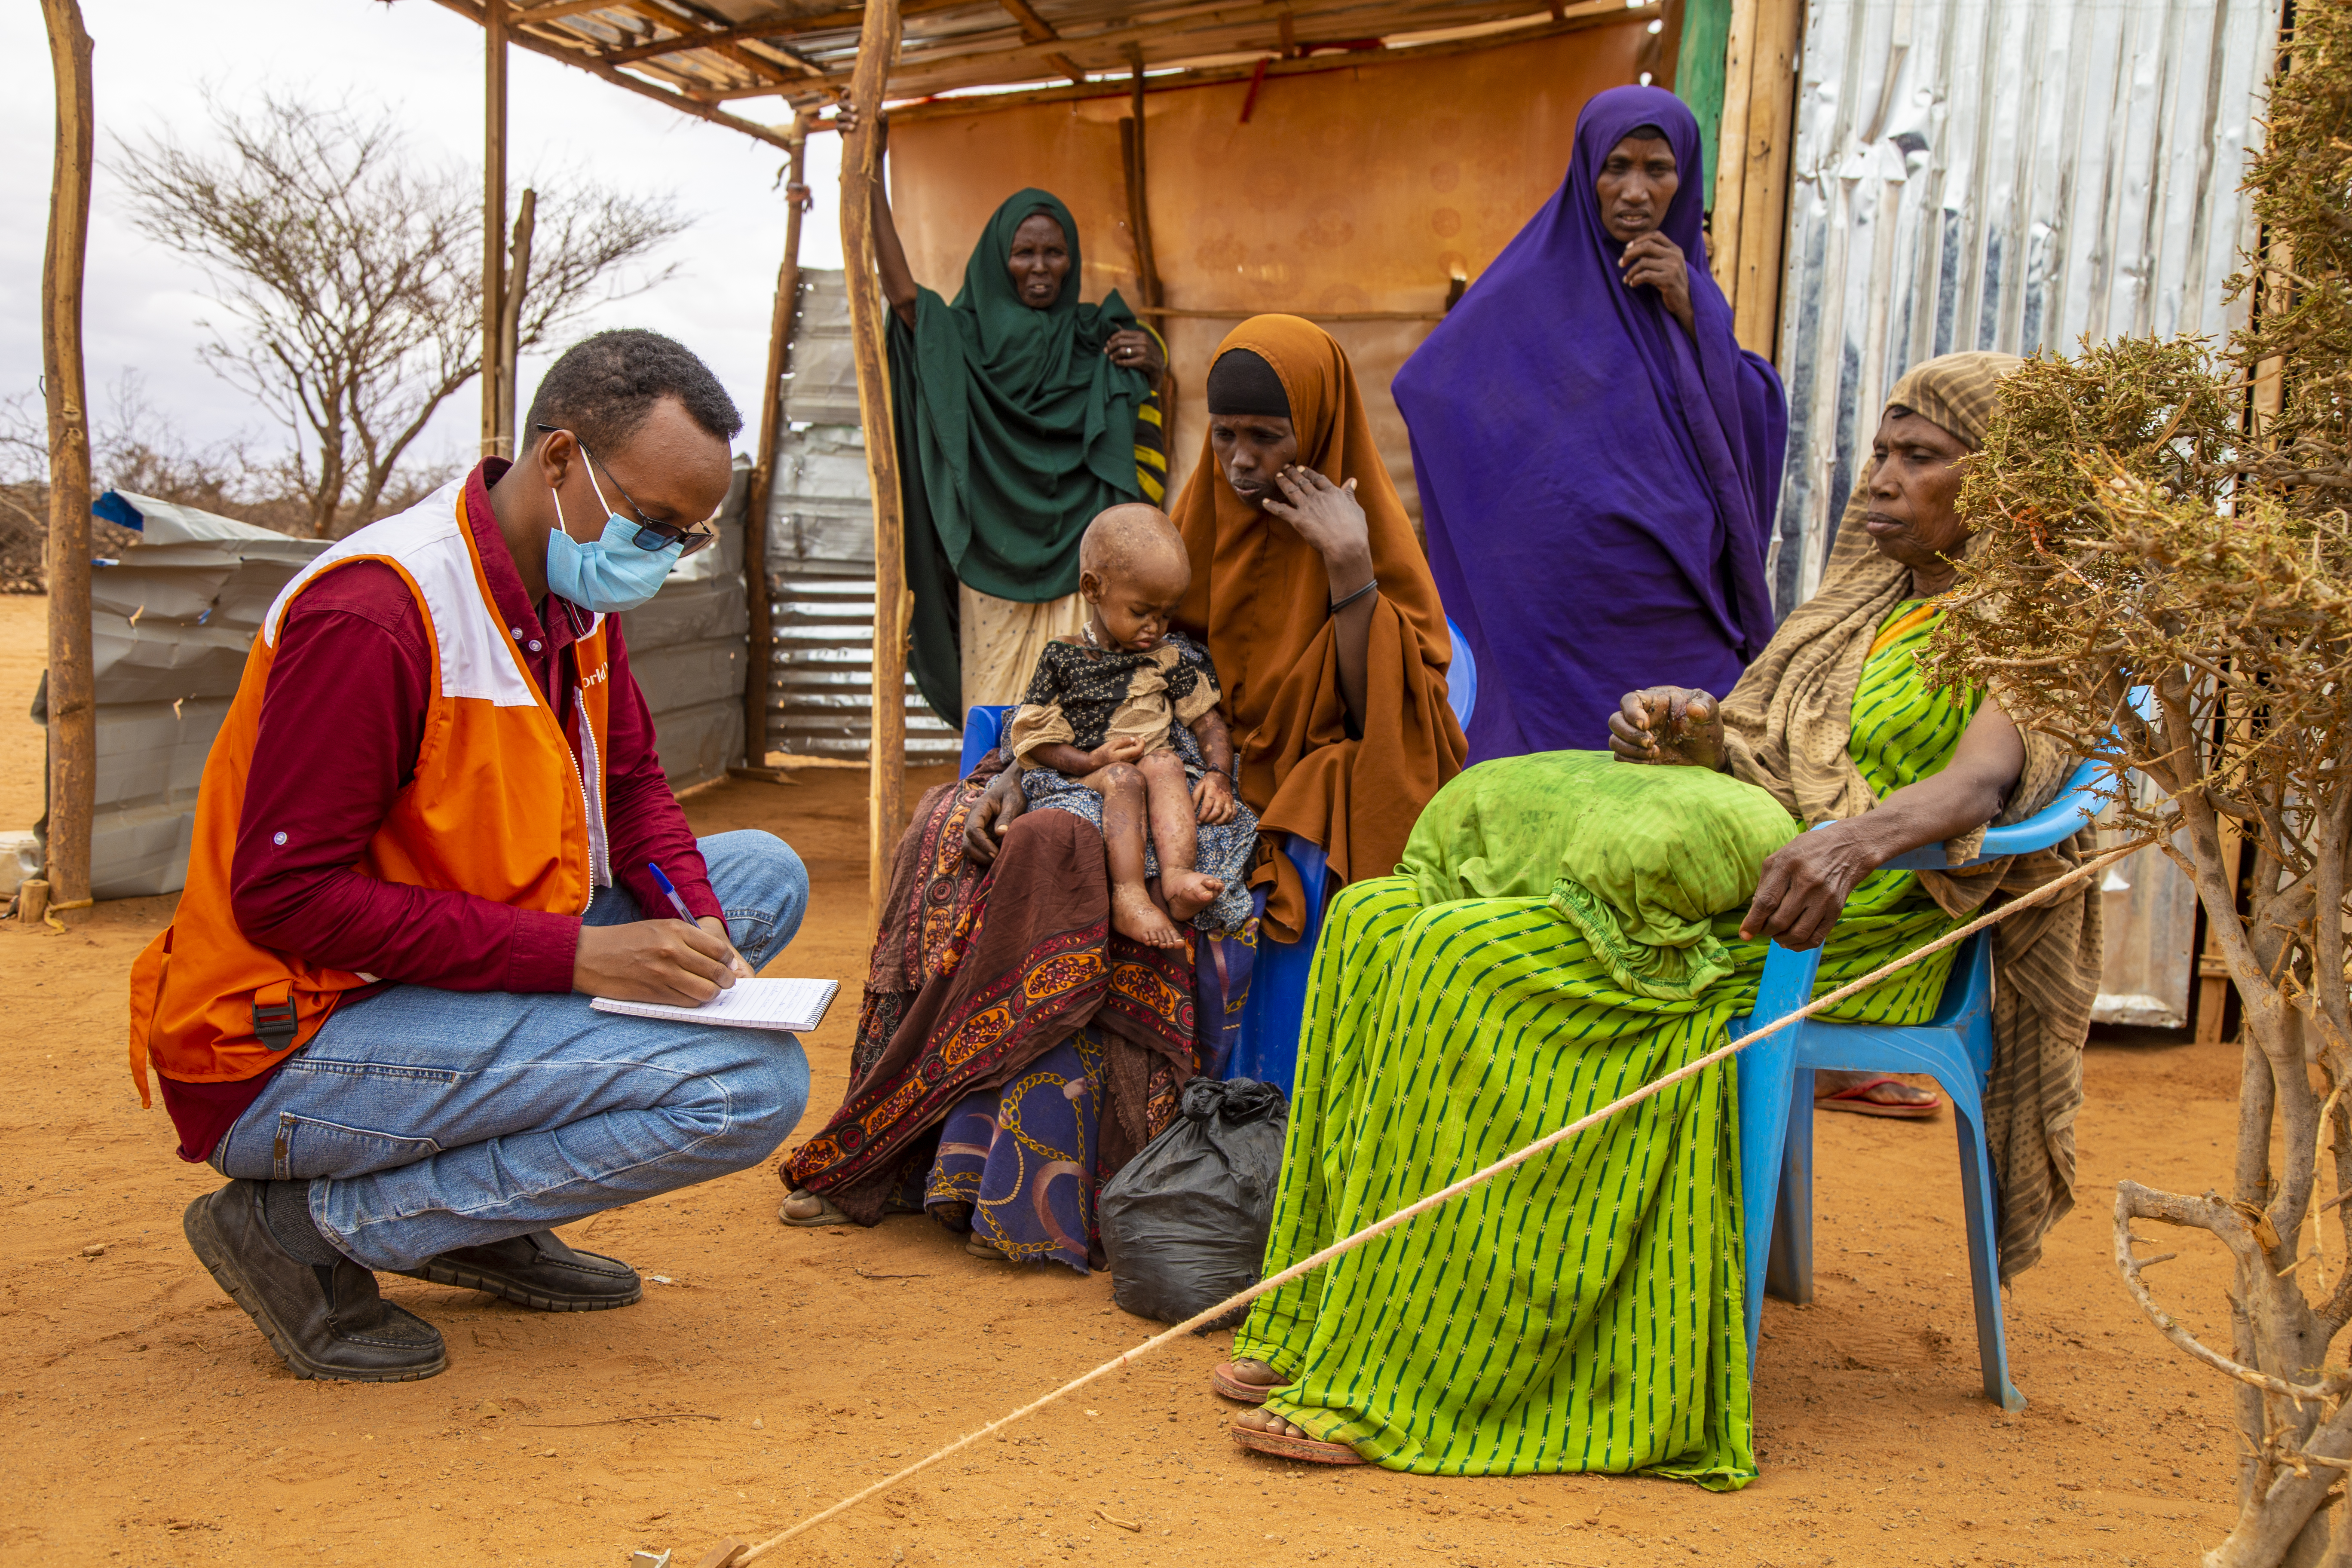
(761, 69)
(762, 32)
(1034, 28)
(915, 59)
(555, 11)
(585, 60)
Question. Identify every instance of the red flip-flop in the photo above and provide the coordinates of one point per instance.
(1853, 1099)
(1311, 1450)
(1239, 1389)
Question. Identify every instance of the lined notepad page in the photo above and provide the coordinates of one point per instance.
(797, 1005)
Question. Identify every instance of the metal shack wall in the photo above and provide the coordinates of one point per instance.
(821, 550)
(2008, 174)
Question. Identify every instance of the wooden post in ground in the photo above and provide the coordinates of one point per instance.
(1139, 202)
(878, 45)
(1132, 157)
(762, 643)
(72, 694)
(1751, 182)
(495, 437)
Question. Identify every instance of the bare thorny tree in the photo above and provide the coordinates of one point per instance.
(349, 272)
(2170, 520)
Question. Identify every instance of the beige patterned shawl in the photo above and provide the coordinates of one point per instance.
(1786, 726)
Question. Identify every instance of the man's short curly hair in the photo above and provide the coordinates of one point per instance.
(605, 386)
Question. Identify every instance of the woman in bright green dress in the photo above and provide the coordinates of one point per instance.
(1583, 1312)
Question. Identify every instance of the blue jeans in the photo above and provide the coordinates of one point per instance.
(427, 1119)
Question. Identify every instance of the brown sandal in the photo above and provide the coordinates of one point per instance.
(1237, 1388)
(1311, 1450)
(827, 1216)
(1857, 1098)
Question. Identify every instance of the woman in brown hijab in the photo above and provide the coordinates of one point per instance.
(1318, 608)
(1319, 613)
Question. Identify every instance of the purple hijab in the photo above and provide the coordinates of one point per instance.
(1597, 487)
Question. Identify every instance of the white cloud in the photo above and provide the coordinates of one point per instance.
(152, 62)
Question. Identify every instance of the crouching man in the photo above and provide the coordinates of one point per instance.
(422, 845)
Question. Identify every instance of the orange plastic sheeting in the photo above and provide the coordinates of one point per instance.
(1364, 188)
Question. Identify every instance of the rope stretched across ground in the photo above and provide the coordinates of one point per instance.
(1377, 1227)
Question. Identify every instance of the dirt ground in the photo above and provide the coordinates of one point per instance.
(768, 1372)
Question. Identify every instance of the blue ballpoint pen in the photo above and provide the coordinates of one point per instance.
(669, 891)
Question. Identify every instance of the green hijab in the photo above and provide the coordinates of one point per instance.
(1013, 431)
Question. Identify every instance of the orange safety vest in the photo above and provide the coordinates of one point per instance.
(500, 807)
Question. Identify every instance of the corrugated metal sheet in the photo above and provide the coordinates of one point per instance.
(1998, 174)
(821, 550)
(687, 652)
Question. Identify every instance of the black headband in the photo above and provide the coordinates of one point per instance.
(1240, 383)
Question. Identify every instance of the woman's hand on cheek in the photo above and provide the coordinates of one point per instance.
(1805, 886)
(1327, 516)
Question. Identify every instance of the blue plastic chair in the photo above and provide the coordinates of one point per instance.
(1954, 1047)
(1268, 1048)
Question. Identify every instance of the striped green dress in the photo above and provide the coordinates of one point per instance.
(1583, 1310)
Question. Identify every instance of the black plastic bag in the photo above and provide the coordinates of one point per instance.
(1185, 1223)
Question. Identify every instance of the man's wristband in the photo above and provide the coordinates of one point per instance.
(1340, 604)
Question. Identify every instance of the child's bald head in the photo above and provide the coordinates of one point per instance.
(1137, 546)
(1133, 568)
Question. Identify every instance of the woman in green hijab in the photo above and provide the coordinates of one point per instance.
(1022, 414)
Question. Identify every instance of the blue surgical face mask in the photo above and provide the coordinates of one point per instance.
(612, 574)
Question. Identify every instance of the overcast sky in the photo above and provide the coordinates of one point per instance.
(153, 60)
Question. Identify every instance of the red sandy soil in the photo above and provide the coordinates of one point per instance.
(771, 1370)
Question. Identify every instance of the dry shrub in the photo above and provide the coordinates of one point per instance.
(2164, 518)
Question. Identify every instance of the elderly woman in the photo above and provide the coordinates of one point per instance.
(1586, 402)
(1014, 1050)
(1022, 414)
(1583, 1312)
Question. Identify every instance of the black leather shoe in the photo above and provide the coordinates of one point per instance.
(324, 1321)
(536, 1270)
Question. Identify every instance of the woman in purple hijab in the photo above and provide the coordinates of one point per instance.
(1598, 459)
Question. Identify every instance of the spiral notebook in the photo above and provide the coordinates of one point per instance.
(793, 1005)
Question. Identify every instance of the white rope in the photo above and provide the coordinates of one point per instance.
(1382, 1226)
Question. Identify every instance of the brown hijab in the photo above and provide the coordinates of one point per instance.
(1261, 601)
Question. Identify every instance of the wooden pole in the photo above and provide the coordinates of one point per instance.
(1731, 162)
(72, 694)
(512, 287)
(1138, 187)
(762, 645)
(878, 45)
(1778, 40)
(494, 220)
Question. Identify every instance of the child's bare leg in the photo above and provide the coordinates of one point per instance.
(1132, 912)
(1175, 837)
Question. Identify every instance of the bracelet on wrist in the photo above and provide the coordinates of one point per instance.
(1340, 604)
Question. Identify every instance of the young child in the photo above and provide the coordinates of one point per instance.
(1120, 723)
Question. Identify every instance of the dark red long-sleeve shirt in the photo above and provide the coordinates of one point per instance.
(340, 724)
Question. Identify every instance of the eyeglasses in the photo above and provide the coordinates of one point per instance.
(652, 535)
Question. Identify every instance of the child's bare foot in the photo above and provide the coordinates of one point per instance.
(1135, 916)
(1188, 892)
